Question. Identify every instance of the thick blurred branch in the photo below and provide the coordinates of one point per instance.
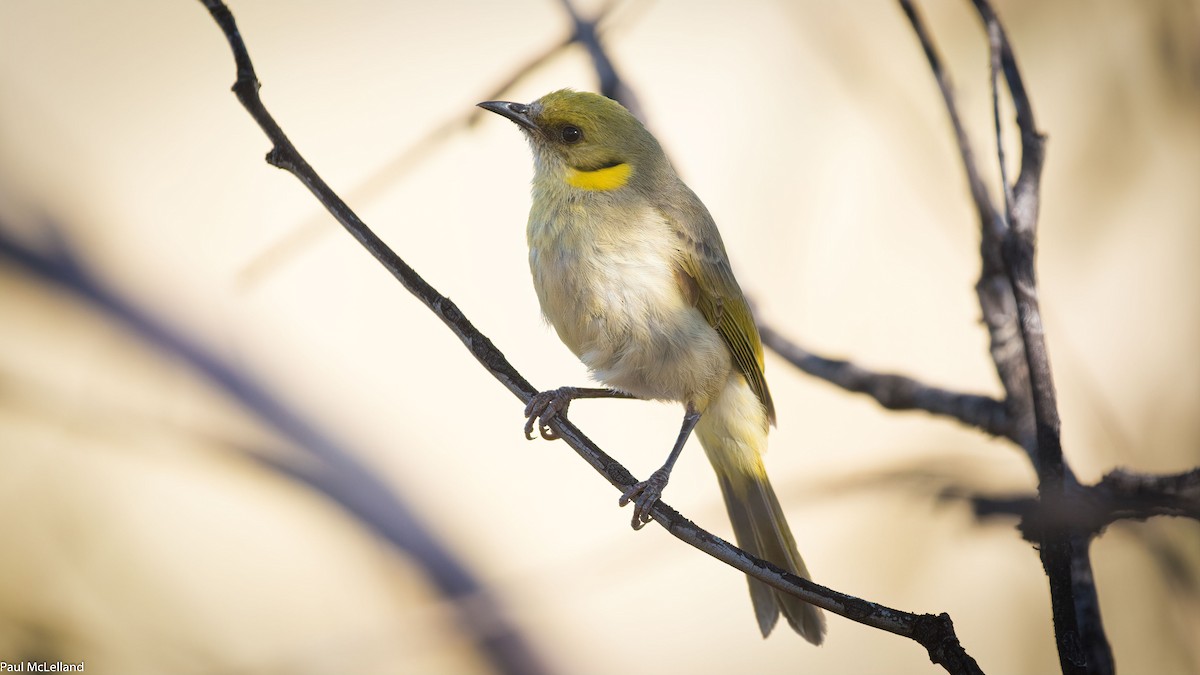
(328, 467)
(935, 633)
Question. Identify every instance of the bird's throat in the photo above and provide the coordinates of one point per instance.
(602, 179)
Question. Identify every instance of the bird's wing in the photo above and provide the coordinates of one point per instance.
(709, 283)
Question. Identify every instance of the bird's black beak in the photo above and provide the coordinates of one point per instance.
(517, 112)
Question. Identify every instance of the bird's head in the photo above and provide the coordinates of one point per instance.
(588, 141)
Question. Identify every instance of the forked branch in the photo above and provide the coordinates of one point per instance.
(1007, 292)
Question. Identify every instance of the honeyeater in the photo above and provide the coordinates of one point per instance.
(631, 272)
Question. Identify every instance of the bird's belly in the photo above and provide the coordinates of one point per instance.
(618, 306)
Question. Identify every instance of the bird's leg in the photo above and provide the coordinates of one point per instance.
(546, 404)
(646, 493)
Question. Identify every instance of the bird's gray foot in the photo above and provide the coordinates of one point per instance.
(644, 495)
(543, 407)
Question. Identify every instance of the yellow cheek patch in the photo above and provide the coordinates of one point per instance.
(608, 178)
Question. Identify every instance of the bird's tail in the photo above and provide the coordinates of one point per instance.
(733, 431)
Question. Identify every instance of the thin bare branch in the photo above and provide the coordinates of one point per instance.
(995, 46)
(935, 633)
(996, 301)
(1140, 496)
(894, 392)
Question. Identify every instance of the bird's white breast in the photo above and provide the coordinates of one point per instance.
(611, 292)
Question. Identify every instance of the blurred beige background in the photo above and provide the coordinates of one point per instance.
(139, 535)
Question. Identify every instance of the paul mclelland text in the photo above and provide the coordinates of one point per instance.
(40, 667)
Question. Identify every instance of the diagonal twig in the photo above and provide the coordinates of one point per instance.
(935, 633)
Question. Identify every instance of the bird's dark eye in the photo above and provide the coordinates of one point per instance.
(570, 134)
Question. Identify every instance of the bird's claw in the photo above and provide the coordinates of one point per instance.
(542, 408)
(644, 496)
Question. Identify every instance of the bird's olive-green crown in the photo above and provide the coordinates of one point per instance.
(583, 132)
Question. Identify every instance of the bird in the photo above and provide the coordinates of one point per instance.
(631, 272)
